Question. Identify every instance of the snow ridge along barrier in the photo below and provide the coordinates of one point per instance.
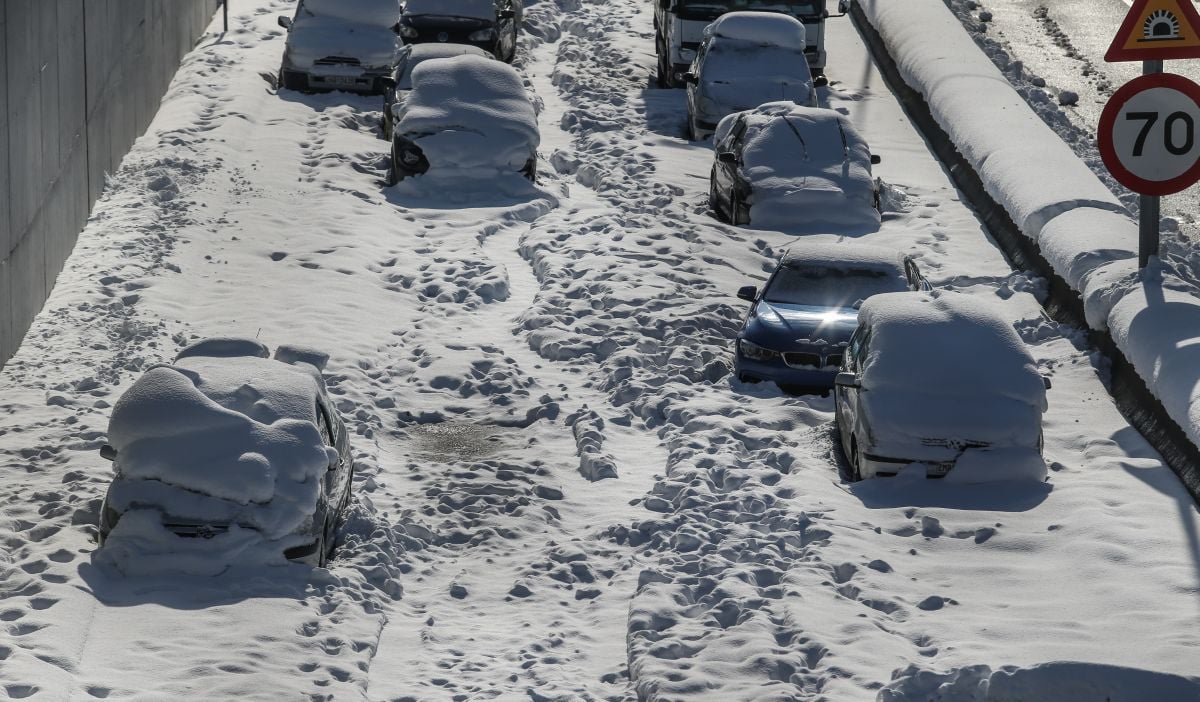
(1051, 215)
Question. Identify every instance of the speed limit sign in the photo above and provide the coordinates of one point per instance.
(1149, 135)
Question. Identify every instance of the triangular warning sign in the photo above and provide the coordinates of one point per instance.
(1155, 30)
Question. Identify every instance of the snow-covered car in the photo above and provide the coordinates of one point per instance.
(492, 25)
(340, 45)
(466, 117)
(400, 84)
(227, 454)
(782, 165)
(745, 60)
(939, 379)
(799, 324)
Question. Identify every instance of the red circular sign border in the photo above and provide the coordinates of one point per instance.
(1108, 118)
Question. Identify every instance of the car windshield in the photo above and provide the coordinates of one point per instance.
(791, 7)
(830, 287)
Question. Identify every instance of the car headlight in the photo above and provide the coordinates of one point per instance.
(408, 31)
(482, 35)
(754, 352)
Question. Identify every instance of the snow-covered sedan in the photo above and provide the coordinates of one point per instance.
(941, 380)
(800, 323)
(227, 455)
(401, 81)
(492, 25)
(340, 45)
(745, 60)
(784, 166)
(466, 118)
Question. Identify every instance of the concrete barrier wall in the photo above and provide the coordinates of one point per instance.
(79, 81)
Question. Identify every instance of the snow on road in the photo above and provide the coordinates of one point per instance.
(560, 491)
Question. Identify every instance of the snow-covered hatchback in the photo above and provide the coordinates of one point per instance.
(227, 455)
(942, 380)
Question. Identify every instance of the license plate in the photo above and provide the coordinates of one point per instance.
(939, 469)
(341, 80)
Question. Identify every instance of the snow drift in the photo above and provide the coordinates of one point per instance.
(1081, 228)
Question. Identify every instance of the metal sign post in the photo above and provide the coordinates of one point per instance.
(1149, 206)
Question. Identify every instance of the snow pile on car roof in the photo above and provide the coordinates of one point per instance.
(759, 28)
(470, 116)
(378, 13)
(313, 38)
(223, 436)
(805, 165)
(941, 343)
(477, 9)
(844, 256)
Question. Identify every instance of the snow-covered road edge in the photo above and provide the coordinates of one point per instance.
(1077, 226)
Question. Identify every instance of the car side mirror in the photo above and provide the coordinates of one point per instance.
(876, 160)
(1046, 382)
(108, 453)
(285, 22)
(727, 157)
(686, 77)
(846, 379)
(748, 293)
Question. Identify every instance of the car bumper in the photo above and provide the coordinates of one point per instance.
(779, 372)
(872, 466)
(367, 82)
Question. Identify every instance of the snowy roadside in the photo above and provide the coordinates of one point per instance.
(1080, 228)
(500, 356)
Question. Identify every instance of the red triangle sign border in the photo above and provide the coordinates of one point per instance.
(1117, 51)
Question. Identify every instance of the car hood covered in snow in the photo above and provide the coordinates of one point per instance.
(470, 116)
(315, 38)
(754, 58)
(230, 440)
(805, 165)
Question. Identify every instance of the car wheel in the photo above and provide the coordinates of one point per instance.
(393, 175)
(665, 79)
(712, 196)
(855, 461)
(692, 135)
(322, 549)
(387, 124)
(738, 212)
(291, 80)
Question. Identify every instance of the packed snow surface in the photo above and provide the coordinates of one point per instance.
(560, 490)
(476, 9)
(1080, 226)
(470, 116)
(383, 14)
(806, 166)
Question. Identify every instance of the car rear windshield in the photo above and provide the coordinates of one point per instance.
(830, 287)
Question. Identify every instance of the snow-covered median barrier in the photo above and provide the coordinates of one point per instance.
(1080, 227)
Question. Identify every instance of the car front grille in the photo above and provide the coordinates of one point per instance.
(194, 531)
(956, 444)
(808, 359)
(337, 61)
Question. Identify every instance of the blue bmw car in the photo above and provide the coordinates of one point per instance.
(800, 322)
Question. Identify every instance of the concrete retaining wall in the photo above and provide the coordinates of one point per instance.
(79, 81)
